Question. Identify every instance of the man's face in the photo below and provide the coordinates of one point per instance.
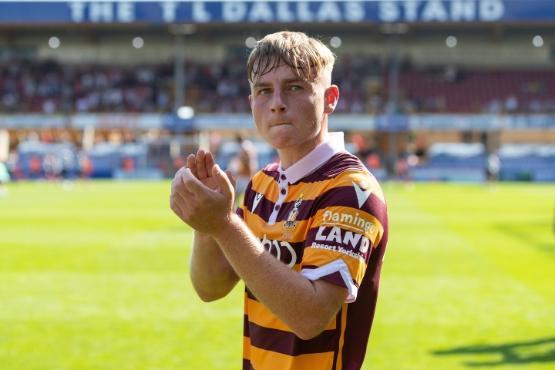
(289, 112)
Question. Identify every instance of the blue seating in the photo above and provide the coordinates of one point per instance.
(527, 162)
(452, 162)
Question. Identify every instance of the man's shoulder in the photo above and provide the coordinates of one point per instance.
(345, 171)
(341, 164)
(266, 175)
(270, 170)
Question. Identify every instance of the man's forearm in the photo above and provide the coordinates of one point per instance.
(305, 306)
(211, 274)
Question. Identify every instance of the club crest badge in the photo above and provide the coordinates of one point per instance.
(291, 221)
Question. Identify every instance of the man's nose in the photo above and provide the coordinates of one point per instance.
(278, 105)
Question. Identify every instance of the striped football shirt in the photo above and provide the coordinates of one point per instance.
(325, 217)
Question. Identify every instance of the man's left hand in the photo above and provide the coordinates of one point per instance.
(202, 208)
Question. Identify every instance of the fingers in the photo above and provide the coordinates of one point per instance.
(201, 165)
(224, 183)
(192, 183)
(180, 198)
(209, 162)
(196, 204)
(181, 194)
(178, 189)
(192, 164)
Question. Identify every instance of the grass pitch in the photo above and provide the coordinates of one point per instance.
(93, 276)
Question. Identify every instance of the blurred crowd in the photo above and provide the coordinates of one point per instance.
(115, 154)
(51, 87)
(57, 154)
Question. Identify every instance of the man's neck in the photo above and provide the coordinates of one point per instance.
(289, 156)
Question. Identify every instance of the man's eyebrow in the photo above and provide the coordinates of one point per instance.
(284, 82)
(293, 80)
(259, 84)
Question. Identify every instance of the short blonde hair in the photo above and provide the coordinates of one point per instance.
(306, 56)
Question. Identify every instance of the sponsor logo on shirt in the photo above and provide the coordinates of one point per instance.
(355, 221)
(343, 238)
(282, 250)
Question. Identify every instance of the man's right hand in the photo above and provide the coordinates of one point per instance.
(201, 166)
(198, 190)
(211, 274)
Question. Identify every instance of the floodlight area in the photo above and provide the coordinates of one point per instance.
(54, 42)
(138, 42)
(250, 42)
(335, 42)
(537, 41)
(185, 112)
(451, 41)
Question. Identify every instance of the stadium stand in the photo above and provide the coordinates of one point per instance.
(51, 87)
(448, 89)
(452, 162)
(527, 162)
(420, 107)
(51, 160)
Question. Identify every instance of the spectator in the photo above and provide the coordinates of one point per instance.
(52, 88)
(511, 104)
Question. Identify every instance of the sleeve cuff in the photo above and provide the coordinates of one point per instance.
(337, 266)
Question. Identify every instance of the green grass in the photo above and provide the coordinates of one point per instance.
(94, 276)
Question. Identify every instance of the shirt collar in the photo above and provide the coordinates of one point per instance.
(333, 144)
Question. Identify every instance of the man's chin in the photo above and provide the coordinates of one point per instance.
(282, 139)
(282, 143)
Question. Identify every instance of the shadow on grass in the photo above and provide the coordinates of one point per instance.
(515, 353)
(527, 238)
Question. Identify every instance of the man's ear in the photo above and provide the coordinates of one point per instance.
(331, 97)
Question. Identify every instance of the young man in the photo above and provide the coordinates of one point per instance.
(309, 238)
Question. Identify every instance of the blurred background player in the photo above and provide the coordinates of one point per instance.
(244, 164)
(492, 167)
(4, 178)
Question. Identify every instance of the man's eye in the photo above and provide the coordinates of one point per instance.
(295, 88)
(263, 91)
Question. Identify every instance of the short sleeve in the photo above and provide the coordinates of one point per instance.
(342, 233)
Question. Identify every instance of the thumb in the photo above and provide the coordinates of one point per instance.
(223, 181)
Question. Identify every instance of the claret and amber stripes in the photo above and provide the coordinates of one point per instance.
(336, 215)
